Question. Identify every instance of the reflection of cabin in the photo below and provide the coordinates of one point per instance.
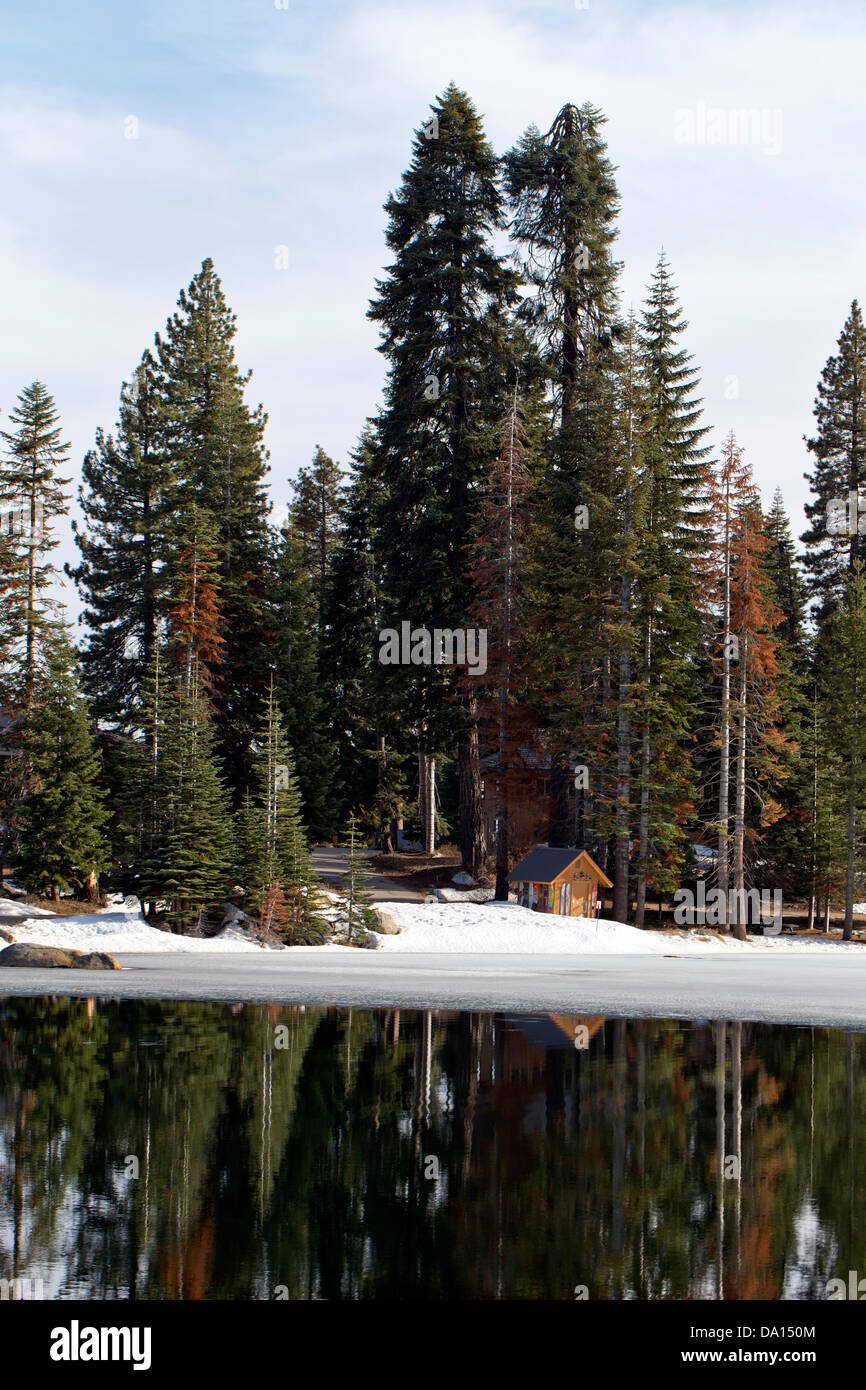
(564, 881)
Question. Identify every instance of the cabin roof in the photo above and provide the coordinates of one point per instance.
(545, 863)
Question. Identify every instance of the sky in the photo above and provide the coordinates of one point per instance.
(136, 140)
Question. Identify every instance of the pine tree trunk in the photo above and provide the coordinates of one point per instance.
(646, 758)
(739, 926)
(473, 846)
(30, 668)
(623, 789)
(422, 796)
(851, 838)
(427, 801)
(725, 754)
(813, 899)
(430, 817)
(384, 836)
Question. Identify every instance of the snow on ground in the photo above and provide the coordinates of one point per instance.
(506, 928)
(121, 930)
(456, 928)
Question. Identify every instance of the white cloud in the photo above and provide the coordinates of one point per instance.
(262, 127)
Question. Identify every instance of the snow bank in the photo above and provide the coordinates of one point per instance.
(120, 931)
(507, 928)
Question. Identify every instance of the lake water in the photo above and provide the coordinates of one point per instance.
(195, 1151)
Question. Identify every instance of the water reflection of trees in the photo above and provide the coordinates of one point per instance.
(409, 1155)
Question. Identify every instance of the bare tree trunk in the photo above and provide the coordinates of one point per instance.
(430, 827)
(422, 794)
(813, 898)
(739, 926)
(384, 834)
(427, 801)
(92, 890)
(473, 846)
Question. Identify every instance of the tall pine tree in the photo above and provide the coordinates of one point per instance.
(442, 310)
(28, 478)
(59, 821)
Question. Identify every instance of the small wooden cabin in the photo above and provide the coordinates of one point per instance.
(563, 881)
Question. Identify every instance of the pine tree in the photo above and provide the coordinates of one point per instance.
(279, 848)
(666, 590)
(730, 489)
(609, 718)
(845, 686)
(787, 849)
(186, 854)
(28, 478)
(839, 451)
(214, 443)
(248, 869)
(13, 602)
(442, 309)
(565, 203)
(783, 567)
(121, 575)
(759, 739)
(316, 517)
(354, 887)
(826, 860)
(295, 654)
(746, 716)
(499, 568)
(370, 748)
(194, 625)
(59, 821)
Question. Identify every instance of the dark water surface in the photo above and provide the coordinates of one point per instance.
(329, 1153)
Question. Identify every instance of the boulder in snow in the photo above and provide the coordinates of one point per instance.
(56, 957)
(463, 895)
(385, 923)
(465, 880)
(5, 935)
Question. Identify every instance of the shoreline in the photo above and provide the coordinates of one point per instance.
(819, 990)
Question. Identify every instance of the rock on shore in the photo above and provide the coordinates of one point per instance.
(56, 957)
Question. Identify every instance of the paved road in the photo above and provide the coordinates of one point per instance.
(806, 990)
(330, 864)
